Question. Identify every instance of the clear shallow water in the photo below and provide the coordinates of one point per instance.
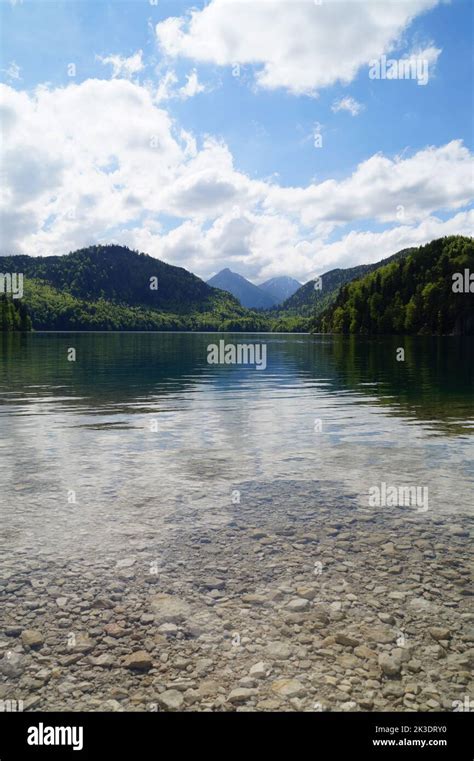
(143, 420)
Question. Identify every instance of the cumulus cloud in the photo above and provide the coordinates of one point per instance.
(385, 189)
(124, 67)
(301, 46)
(347, 104)
(75, 172)
(430, 54)
(418, 65)
(192, 87)
(367, 247)
(262, 246)
(167, 87)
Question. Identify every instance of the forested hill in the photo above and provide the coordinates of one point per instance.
(13, 315)
(122, 276)
(309, 300)
(418, 293)
(114, 288)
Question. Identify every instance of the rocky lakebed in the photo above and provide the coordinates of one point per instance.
(290, 599)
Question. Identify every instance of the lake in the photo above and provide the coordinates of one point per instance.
(138, 415)
(183, 535)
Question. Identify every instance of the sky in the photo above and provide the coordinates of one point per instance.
(274, 137)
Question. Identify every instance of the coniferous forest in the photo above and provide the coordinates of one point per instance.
(415, 294)
(108, 288)
(13, 315)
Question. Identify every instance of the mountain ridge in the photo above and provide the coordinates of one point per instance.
(111, 287)
(280, 288)
(308, 299)
(248, 294)
(413, 294)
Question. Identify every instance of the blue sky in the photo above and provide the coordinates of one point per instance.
(262, 132)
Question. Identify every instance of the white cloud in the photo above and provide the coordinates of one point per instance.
(261, 247)
(431, 179)
(300, 45)
(418, 65)
(366, 247)
(76, 177)
(192, 87)
(167, 87)
(347, 104)
(429, 54)
(124, 67)
(12, 71)
(69, 182)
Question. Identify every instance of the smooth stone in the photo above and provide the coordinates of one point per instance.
(349, 705)
(170, 700)
(439, 633)
(12, 664)
(126, 562)
(254, 599)
(298, 604)
(13, 631)
(82, 643)
(362, 651)
(386, 618)
(139, 661)
(32, 638)
(112, 706)
(421, 605)
(169, 609)
(114, 630)
(169, 630)
(241, 695)
(259, 670)
(289, 688)
(346, 639)
(104, 660)
(394, 690)
(309, 593)
(208, 687)
(390, 665)
(458, 531)
(278, 651)
(381, 634)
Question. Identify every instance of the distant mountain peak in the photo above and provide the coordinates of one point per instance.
(249, 295)
(280, 287)
(263, 296)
